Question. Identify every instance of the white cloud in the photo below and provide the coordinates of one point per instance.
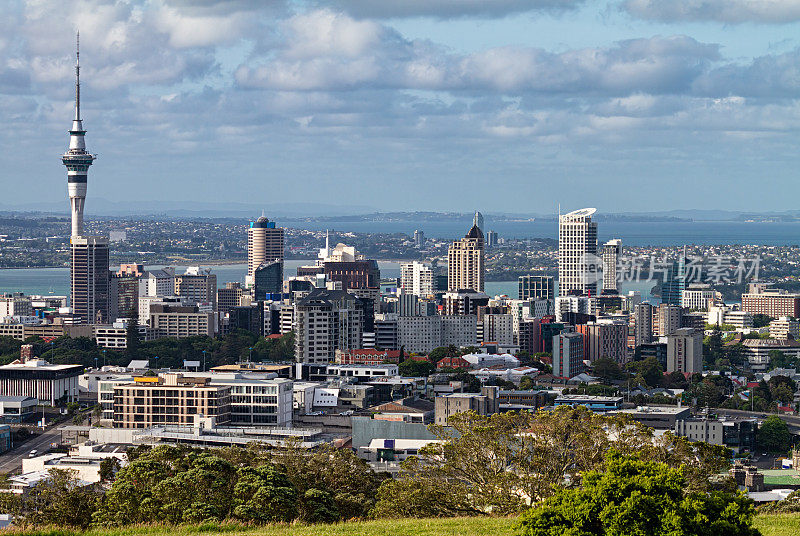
(727, 11)
(450, 8)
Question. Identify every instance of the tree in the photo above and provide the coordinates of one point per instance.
(778, 359)
(264, 495)
(132, 338)
(649, 369)
(773, 435)
(416, 369)
(108, 468)
(607, 369)
(58, 500)
(637, 496)
(760, 321)
(487, 464)
(526, 383)
(348, 480)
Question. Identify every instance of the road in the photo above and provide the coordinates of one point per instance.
(11, 461)
(792, 421)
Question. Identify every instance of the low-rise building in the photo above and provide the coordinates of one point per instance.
(412, 409)
(784, 328)
(362, 372)
(17, 409)
(367, 356)
(594, 403)
(181, 321)
(484, 403)
(757, 351)
(736, 434)
(657, 417)
(49, 384)
(171, 399)
(115, 336)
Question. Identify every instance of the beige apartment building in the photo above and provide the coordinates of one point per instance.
(197, 285)
(180, 321)
(169, 400)
(465, 262)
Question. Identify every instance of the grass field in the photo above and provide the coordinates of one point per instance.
(770, 525)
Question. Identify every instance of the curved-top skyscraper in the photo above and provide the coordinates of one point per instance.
(77, 159)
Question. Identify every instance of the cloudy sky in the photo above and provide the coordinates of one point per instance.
(502, 105)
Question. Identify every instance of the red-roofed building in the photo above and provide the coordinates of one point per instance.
(752, 385)
(453, 362)
(367, 356)
(274, 336)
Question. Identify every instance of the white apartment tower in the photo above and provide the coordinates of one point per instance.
(418, 279)
(577, 253)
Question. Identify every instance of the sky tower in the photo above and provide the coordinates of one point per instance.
(89, 276)
(77, 159)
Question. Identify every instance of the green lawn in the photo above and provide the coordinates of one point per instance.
(770, 525)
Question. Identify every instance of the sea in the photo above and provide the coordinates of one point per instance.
(655, 234)
(55, 281)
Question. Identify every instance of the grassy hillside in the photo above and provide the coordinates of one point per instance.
(770, 525)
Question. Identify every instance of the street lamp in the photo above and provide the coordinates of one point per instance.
(156, 359)
(104, 358)
(250, 360)
(204, 360)
(95, 363)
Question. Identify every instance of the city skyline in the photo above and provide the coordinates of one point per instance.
(350, 100)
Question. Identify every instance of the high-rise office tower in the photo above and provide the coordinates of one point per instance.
(577, 253)
(268, 279)
(465, 264)
(477, 221)
(612, 251)
(89, 275)
(90, 279)
(540, 287)
(264, 244)
(491, 239)
(419, 239)
(674, 282)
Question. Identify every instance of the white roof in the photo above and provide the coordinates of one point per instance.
(580, 213)
(138, 364)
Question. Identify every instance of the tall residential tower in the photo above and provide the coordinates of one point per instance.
(465, 263)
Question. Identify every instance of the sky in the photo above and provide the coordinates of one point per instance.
(451, 105)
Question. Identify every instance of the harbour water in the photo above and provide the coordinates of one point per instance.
(632, 233)
(55, 281)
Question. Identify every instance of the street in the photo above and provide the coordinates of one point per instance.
(11, 461)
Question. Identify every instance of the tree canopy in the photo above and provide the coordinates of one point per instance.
(632, 495)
